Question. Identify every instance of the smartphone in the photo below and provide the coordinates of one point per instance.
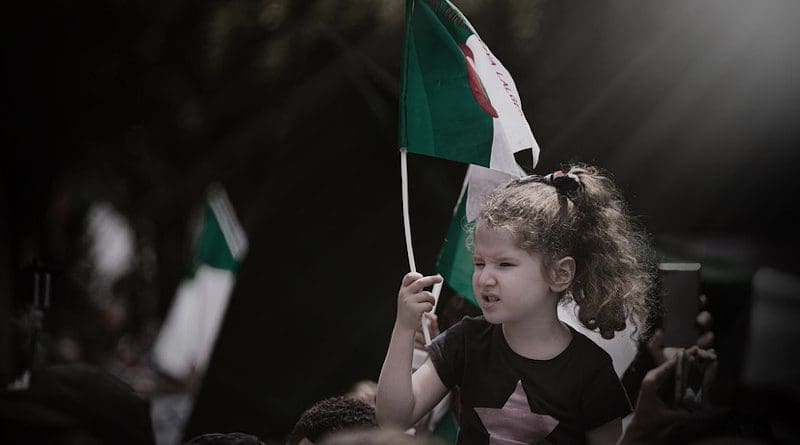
(680, 291)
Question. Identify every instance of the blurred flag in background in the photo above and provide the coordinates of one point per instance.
(187, 337)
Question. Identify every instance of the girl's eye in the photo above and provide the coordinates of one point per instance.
(478, 264)
(506, 265)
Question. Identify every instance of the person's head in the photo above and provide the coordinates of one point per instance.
(331, 415)
(378, 436)
(542, 239)
(225, 439)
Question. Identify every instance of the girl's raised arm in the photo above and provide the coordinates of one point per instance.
(403, 399)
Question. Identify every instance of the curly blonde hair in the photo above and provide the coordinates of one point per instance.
(590, 222)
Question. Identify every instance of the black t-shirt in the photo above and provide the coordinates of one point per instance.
(520, 400)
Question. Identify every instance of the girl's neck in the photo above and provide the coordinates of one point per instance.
(540, 339)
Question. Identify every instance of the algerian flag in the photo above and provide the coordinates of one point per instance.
(187, 337)
(458, 101)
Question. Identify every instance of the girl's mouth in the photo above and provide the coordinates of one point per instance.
(490, 299)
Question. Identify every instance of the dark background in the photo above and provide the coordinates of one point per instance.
(693, 107)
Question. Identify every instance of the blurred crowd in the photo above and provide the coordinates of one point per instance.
(79, 403)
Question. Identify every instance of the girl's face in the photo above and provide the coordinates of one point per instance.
(509, 282)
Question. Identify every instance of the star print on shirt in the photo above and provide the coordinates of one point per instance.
(515, 423)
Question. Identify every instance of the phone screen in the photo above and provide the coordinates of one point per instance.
(680, 290)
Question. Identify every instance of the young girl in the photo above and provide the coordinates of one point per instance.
(525, 376)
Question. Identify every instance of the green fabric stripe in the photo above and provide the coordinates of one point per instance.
(447, 429)
(452, 19)
(439, 115)
(402, 141)
(212, 248)
(455, 259)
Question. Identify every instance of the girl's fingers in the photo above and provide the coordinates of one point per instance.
(423, 307)
(410, 278)
(420, 302)
(424, 282)
(423, 297)
(434, 323)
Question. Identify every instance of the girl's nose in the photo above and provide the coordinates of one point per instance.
(486, 278)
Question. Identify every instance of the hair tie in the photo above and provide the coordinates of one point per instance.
(566, 184)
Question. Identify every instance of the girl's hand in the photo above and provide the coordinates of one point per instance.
(419, 336)
(413, 300)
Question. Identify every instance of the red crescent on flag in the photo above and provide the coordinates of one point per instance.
(478, 92)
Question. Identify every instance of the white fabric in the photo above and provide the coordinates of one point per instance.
(622, 348)
(481, 182)
(511, 130)
(112, 242)
(189, 332)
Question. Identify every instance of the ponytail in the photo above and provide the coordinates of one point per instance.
(614, 276)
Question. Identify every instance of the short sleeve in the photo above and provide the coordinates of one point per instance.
(447, 354)
(604, 398)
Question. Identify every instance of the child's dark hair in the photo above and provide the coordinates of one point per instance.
(225, 439)
(581, 214)
(331, 415)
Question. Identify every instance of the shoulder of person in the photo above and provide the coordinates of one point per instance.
(470, 327)
(473, 324)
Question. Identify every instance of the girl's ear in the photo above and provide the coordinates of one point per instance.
(561, 274)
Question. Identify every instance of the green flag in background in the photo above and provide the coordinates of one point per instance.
(455, 258)
(458, 102)
(187, 337)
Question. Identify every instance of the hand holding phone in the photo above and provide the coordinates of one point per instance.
(695, 370)
(656, 409)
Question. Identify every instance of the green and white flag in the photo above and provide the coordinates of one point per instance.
(187, 337)
(458, 102)
(455, 259)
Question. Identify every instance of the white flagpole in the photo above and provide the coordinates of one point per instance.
(406, 220)
(437, 288)
(409, 248)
